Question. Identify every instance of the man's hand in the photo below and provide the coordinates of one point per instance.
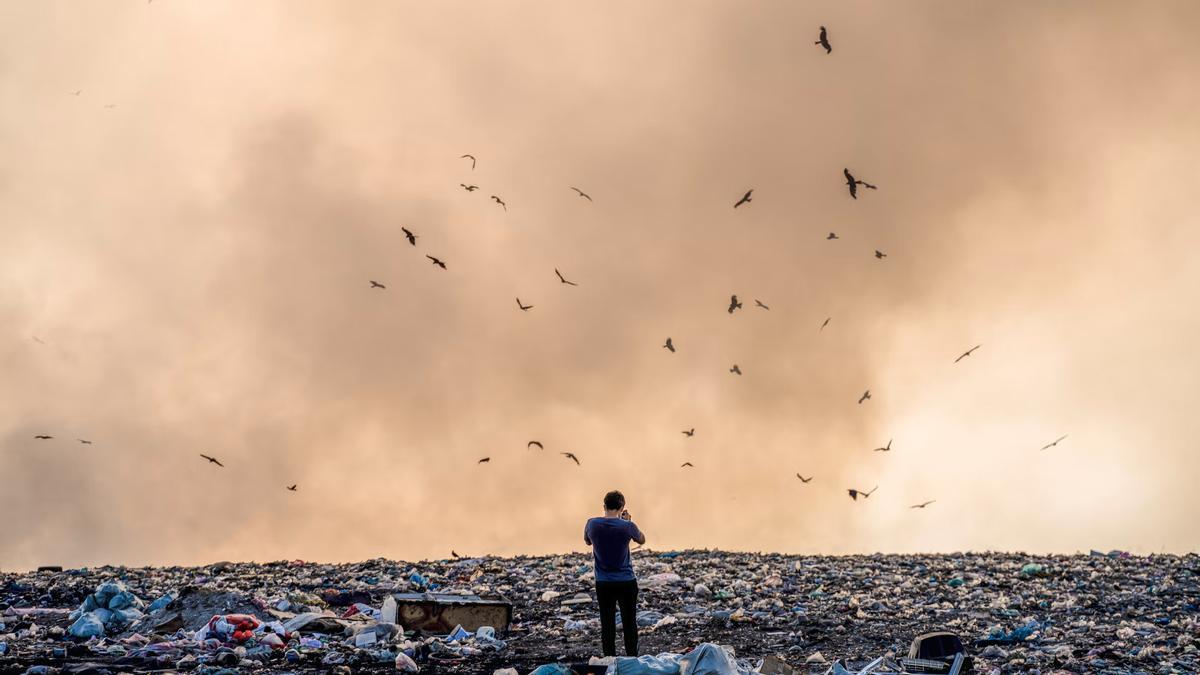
(625, 515)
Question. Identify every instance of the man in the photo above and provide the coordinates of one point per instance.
(609, 538)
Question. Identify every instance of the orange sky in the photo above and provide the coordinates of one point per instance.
(194, 263)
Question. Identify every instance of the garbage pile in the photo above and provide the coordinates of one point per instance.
(767, 613)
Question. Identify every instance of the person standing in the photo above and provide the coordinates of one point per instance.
(616, 584)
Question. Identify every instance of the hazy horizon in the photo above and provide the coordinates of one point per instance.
(187, 271)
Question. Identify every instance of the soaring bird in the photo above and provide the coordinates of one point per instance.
(1051, 445)
(533, 443)
(824, 41)
(734, 304)
(469, 188)
(38, 340)
(376, 284)
(967, 353)
(562, 279)
(412, 238)
(524, 308)
(854, 494)
(437, 262)
(866, 395)
(690, 432)
(832, 236)
(880, 254)
(759, 303)
(84, 441)
(826, 323)
(485, 460)
(43, 437)
(470, 157)
(735, 370)
(582, 193)
(77, 92)
(669, 346)
(685, 464)
(886, 448)
(803, 479)
(500, 202)
(853, 183)
(570, 456)
(212, 460)
(745, 198)
(292, 487)
(922, 504)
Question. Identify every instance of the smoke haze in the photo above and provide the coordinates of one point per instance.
(187, 272)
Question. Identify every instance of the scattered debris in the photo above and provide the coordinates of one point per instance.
(1097, 613)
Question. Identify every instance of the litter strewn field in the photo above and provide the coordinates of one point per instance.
(1097, 613)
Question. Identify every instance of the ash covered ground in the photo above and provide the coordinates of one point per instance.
(1093, 613)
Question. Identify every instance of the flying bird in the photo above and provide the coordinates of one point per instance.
(111, 106)
(803, 479)
(690, 432)
(485, 460)
(437, 262)
(376, 284)
(77, 92)
(922, 504)
(853, 183)
(880, 254)
(582, 193)
(570, 456)
(500, 202)
(1051, 445)
(524, 308)
(292, 487)
(669, 346)
(759, 303)
(824, 41)
(43, 437)
(84, 441)
(212, 460)
(854, 494)
(685, 464)
(866, 395)
(735, 370)
(826, 323)
(412, 238)
(533, 443)
(967, 353)
(470, 157)
(745, 198)
(832, 235)
(563, 279)
(38, 340)
(469, 188)
(734, 304)
(886, 448)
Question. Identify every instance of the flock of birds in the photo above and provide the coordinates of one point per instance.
(852, 186)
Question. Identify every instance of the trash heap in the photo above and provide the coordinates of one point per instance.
(768, 613)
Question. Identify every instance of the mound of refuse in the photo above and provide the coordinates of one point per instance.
(698, 612)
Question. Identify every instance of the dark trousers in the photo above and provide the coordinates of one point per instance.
(609, 594)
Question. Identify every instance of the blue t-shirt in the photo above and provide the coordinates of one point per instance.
(609, 539)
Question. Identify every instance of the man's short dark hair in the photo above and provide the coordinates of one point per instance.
(614, 500)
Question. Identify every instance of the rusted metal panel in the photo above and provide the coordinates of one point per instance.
(440, 613)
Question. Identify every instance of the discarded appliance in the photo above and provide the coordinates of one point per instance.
(441, 612)
(937, 652)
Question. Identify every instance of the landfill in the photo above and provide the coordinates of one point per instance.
(699, 612)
